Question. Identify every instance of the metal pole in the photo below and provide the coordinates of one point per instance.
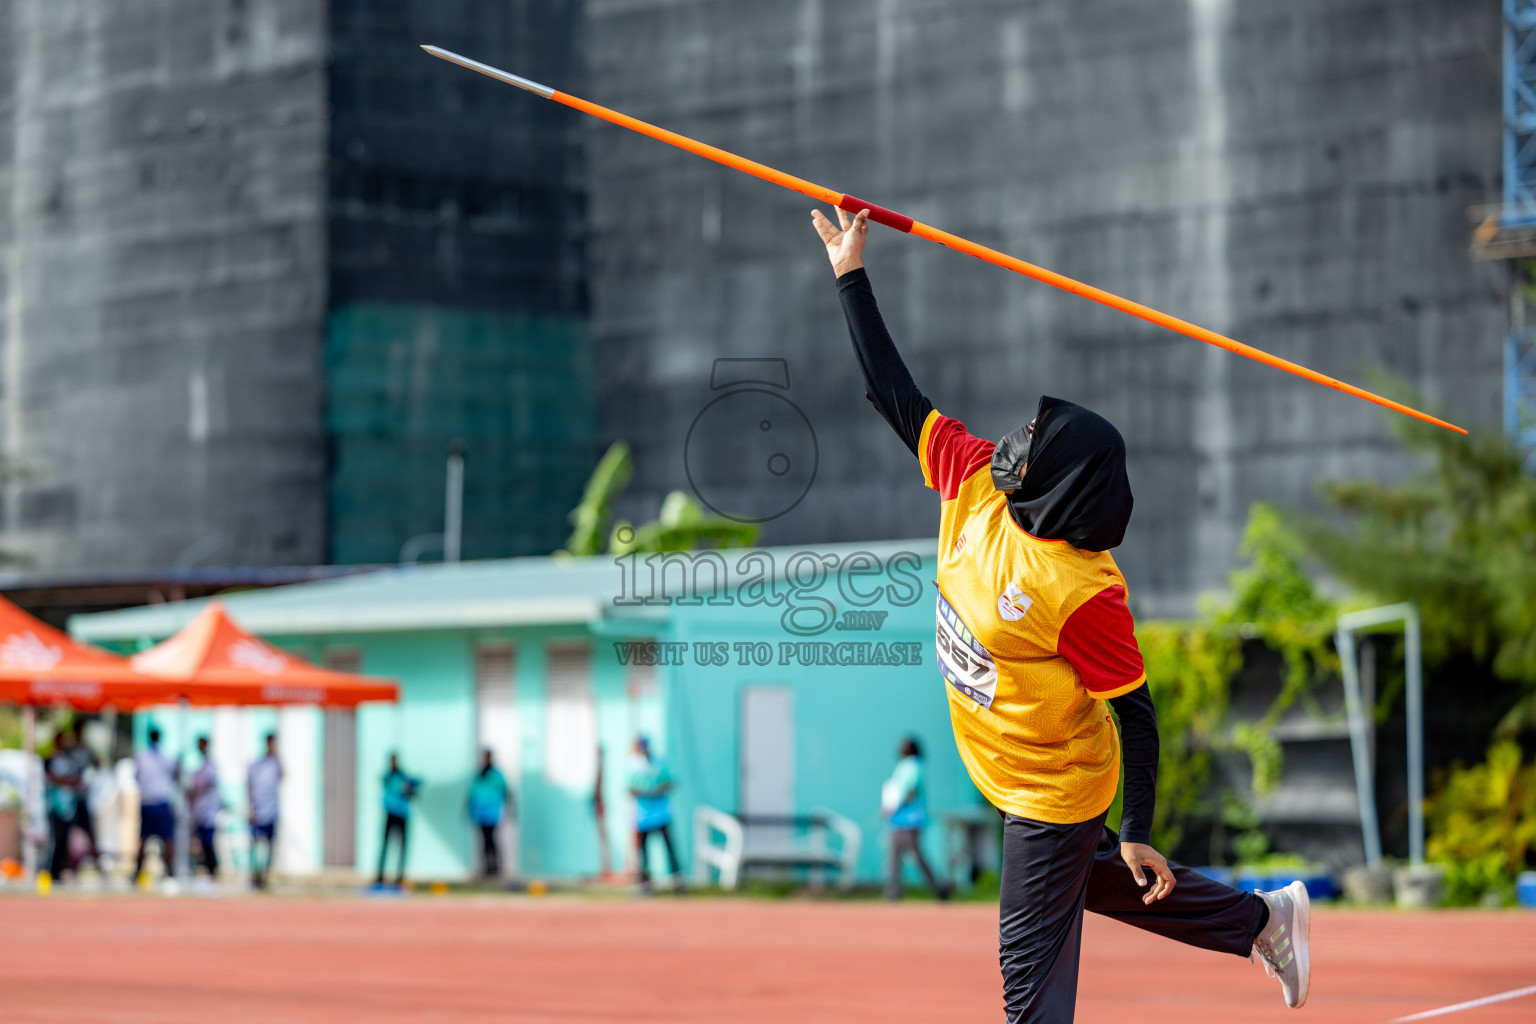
(28, 844)
(1415, 671)
(1368, 695)
(182, 868)
(453, 503)
(1365, 783)
(1512, 387)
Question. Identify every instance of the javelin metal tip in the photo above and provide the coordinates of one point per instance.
(485, 69)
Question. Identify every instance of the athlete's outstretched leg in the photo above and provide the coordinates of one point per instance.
(1200, 911)
(1046, 872)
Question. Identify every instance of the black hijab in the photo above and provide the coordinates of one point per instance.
(1075, 488)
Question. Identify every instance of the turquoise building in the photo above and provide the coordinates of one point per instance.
(773, 680)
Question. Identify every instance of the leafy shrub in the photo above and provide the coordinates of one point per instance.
(1190, 667)
(1482, 824)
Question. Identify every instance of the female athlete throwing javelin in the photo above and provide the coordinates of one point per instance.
(1033, 637)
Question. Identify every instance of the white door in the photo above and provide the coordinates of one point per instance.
(300, 735)
(339, 803)
(570, 719)
(767, 760)
(496, 724)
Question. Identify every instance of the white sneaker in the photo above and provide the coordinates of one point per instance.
(1284, 945)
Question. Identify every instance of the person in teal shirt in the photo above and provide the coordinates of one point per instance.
(399, 788)
(489, 798)
(650, 783)
(905, 805)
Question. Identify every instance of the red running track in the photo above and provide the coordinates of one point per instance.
(140, 960)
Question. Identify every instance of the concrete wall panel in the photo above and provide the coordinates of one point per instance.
(163, 261)
(1296, 174)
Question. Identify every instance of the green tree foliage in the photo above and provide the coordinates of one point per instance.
(1190, 666)
(1276, 601)
(589, 520)
(10, 727)
(1482, 824)
(683, 524)
(1458, 540)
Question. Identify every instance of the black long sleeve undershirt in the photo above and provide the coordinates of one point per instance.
(889, 387)
(1138, 738)
(887, 383)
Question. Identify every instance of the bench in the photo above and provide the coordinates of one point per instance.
(732, 844)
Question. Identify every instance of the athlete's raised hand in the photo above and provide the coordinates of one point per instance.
(845, 244)
(1139, 855)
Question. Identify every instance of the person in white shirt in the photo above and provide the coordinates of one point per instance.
(206, 802)
(262, 783)
(157, 777)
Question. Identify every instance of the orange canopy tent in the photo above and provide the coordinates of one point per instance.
(212, 660)
(40, 665)
(43, 665)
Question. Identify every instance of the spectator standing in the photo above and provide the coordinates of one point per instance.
(67, 805)
(650, 783)
(399, 789)
(206, 802)
(157, 776)
(489, 799)
(263, 783)
(905, 804)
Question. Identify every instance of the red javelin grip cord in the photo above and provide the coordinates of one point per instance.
(878, 214)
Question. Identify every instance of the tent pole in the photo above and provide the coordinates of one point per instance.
(28, 840)
(183, 866)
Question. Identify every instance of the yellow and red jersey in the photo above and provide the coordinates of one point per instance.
(1033, 635)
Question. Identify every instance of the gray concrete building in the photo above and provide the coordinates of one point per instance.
(1293, 173)
(262, 262)
(162, 189)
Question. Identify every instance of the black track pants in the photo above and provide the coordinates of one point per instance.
(1051, 873)
(396, 825)
(490, 855)
(645, 861)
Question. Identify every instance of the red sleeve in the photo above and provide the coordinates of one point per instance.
(949, 453)
(1099, 640)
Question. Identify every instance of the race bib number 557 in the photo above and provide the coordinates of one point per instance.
(964, 663)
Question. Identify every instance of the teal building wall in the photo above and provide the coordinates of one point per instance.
(847, 724)
(847, 719)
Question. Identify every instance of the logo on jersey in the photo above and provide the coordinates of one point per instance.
(1013, 603)
(959, 543)
(963, 662)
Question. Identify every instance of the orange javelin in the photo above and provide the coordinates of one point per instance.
(892, 219)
